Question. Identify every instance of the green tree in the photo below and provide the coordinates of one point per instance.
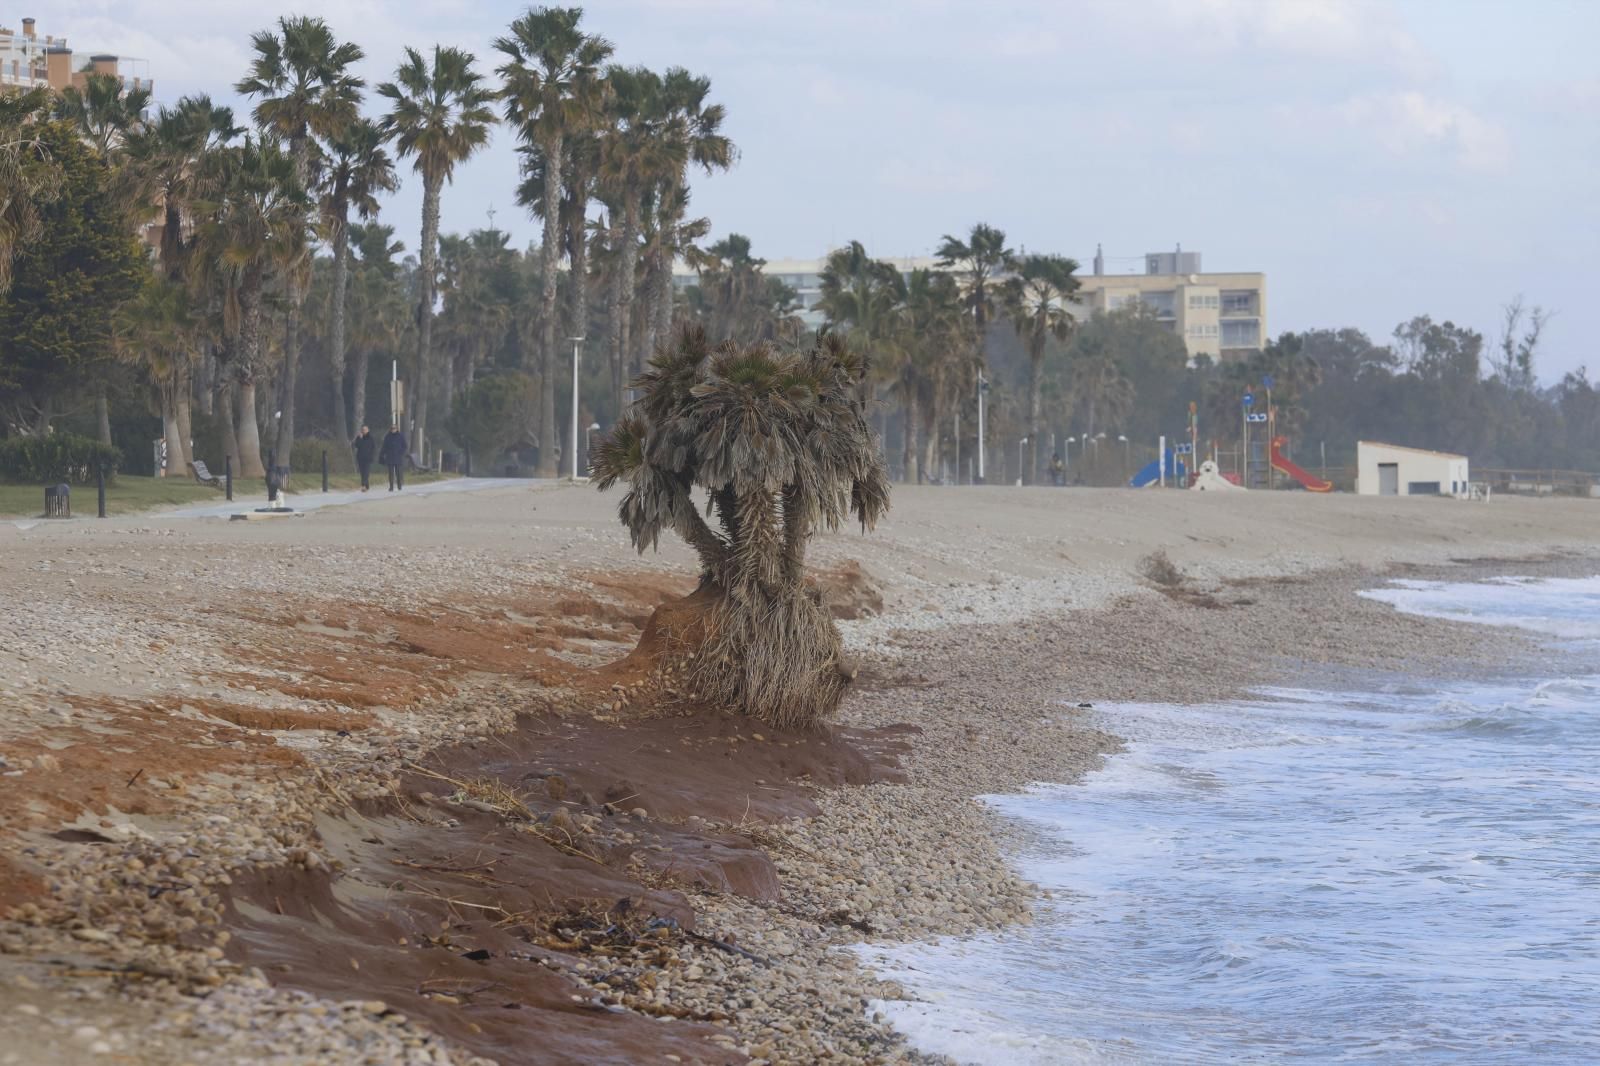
(301, 77)
(357, 169)
(158, 332)
(440, 113)
(553, 90)
(68, 281)
(28, 174)
(380, 312)
(736, 300)
(781, 443)
(104, 111)
(494, 414)
(1038, 300)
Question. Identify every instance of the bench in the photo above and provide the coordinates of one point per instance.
(205, 476)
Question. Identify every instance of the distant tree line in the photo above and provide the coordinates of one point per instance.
(232, 289)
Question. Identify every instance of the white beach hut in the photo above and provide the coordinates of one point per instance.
(1394, 470)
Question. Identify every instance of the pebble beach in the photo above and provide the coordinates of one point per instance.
(373, 721)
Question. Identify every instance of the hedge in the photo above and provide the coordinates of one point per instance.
(56, 458)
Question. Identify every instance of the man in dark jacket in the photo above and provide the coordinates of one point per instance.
(393, 455)
(366, 450)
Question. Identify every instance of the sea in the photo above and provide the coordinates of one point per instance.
(1382, 870)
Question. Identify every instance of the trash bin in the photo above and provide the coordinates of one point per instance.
(58, 501)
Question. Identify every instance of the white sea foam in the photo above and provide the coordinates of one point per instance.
(1405, 874)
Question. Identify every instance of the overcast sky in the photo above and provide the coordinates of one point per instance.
(1375, 160)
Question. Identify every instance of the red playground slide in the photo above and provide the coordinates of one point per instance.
(1284, 466)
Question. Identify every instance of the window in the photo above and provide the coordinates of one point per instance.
(1203, 303)
(1241, 334)
(1203, 331)
(1238, 303)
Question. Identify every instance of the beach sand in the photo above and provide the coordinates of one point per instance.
(344, 787)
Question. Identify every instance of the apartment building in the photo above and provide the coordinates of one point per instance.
(28, 61)
(1221, 315)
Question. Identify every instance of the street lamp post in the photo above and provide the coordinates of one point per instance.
(1023, 443)
(1066, 449)
(983, 387)
(576, 341)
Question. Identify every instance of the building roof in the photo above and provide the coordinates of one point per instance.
(1403, 448)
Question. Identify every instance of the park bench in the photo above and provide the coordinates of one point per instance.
(205, 476)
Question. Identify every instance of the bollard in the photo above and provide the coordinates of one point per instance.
(100, 486)
(272, 474)
(227, 475)
(324, 470)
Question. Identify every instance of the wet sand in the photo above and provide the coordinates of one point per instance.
(344, 786)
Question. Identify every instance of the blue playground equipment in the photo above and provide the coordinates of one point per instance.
(1150, 473)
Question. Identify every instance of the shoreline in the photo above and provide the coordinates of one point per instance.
(980, 691)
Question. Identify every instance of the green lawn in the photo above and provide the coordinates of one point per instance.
(131, 495)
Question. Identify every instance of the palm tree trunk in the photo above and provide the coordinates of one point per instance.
(182, 402)
(177, 460)
(429, 256)
(102, 416)
(284, 442)
(358, 388)
(341, 279)
(614, 338)
(1035, 408)
(662, 281)
(245, 426)
(223, 403)
(205, 385)
(550, 259)
(630, 264)
(908, 438)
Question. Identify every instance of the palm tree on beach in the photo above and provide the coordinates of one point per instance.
(105, 111)
(440, 113)
(253, 222)
(171, 152)
(1038, 300)
(378, 314)
(27, 174)
(301, 77)
(554, 89)
(691, 132)
(356, 170)
(781, 443)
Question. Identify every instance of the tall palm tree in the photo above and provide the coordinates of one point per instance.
(692, 132)
(930, 343)
(301, 77)
(440, 113)
(632, 156)
(1038, 300)
(378, 306)
(782, 444)
(979, 261)
(356, 170)
(158, 331)
(554, 88)
(253, 222)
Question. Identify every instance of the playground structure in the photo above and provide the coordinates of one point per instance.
(1152, 474)
(1286, 466)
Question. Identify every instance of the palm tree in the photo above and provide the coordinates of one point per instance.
(782, 444)
(104, 110)
(553, 89)
(171, 152)
(158, 332)
(253, 221)
(357, 169)
(441, 115)
(378, 306)
(632, 155)
(1036, 299)
(306, 91)
(692, 135)
(930, 342)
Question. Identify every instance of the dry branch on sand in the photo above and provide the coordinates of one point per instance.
(781, 442)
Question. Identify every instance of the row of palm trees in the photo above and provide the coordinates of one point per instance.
(242, 211)
(927, 330)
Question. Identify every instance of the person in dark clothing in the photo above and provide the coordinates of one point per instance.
(366, 451)
(393, 455)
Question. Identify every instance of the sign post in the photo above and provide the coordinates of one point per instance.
(1244, 457)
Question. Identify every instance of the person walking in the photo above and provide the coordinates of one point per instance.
(393, 455)
(366, 451)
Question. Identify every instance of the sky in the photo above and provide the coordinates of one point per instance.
(1376, 160)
